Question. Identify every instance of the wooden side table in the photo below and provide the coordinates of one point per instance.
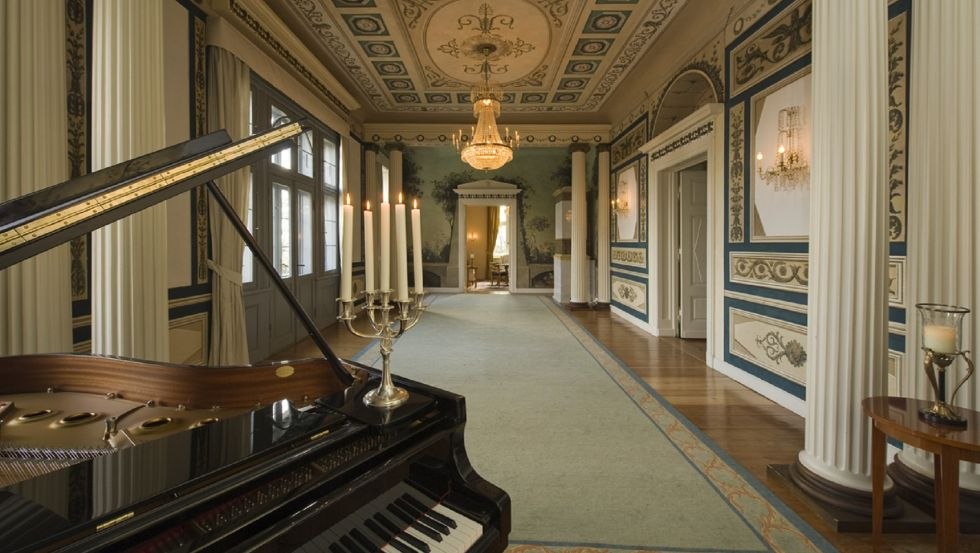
(899, 417)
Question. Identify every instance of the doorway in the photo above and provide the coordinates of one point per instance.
(487, 248)
(692, 238)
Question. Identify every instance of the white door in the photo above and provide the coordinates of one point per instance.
(693, 253)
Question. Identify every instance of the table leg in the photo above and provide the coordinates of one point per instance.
(877, 483)
(950, 498)
(937, 494)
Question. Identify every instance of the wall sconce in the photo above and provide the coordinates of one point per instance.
(568, 215)
(790, 169)
(472, 236)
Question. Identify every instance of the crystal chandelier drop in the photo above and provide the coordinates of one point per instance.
(790, 170)
(485, 149)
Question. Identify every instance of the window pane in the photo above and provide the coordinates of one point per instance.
(329, 164)
(283, 158)
(305, 237)
(282, 235)
(306, 154)
(248, 274)
(330, 232)
(500, 246)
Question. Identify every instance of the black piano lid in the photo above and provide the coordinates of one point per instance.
(56, 199)
(63, 502)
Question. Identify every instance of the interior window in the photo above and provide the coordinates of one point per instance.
(304, 265)
(284, 157)
(329, 231)
(306, 154)
(500, 245)
(248, 263)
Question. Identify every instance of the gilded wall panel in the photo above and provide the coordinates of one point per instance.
(629, 257)
(775, 345)
(736, 173)
(629, 293)
(897, 124)
(783, 40)
(780, 271)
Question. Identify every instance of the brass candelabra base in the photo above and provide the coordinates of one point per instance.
(935, 365)
(388, 320)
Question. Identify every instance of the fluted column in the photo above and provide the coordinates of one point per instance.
(395, 184)
(847, 347)
(602, 232)
(580, 266)
(944, 192)
(129, 257)
(35, 294)
(350, 175)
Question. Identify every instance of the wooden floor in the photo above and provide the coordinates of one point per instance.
(752, 429)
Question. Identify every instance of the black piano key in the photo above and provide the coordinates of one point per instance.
(402, 535)
(423, 516)
(438, 516)
(411, 521)
(334, 548)
(366, 541)
(388, 537)
(350, 545)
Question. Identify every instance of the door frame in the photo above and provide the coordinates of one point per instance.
(487, 193)
(696, 138)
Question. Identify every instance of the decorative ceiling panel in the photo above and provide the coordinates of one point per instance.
(424, 55)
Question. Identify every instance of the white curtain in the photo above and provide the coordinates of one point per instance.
(35, 295)
(129, 257)
(228, 108)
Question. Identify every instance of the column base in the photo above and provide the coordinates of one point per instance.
(849, 510)
(919, 490)
(578, 306)
(600, 306)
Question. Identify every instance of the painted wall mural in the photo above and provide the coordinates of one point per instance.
(432, 174)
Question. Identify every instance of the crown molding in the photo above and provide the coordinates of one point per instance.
(438, 134)
(263, 27)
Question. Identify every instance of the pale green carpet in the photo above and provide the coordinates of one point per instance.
(587, 454)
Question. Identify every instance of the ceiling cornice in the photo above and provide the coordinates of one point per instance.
(434, 134)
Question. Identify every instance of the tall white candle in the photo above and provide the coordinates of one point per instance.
(368, 248)
(417, 245)
(401, 252)
(347, 252)
(385, 230)
(940, 339)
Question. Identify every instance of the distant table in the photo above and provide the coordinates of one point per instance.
(470, 276)
(899, 417)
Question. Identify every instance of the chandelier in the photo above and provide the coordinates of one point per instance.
(485, 149)
(790, 169)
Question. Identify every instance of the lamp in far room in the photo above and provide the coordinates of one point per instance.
(941, 329)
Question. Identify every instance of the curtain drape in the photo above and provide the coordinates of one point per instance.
(228, 108)
(35, 294)
(493, 226)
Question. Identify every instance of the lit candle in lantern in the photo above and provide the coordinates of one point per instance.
(385, 230)
(417, 245)
(401, 252)
(939, 338)
(347, 237)
(368, 248)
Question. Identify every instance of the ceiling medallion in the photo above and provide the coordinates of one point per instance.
(485, 149)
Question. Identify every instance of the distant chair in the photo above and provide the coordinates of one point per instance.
(498, 272)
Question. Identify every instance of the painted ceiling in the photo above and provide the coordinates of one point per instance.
(406, 56)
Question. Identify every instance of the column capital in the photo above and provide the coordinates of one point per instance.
(604, 147)
(371, 147)
(395, 146)
(579, 147)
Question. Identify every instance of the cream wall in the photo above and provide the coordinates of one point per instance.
(176, 74)
(476, 226)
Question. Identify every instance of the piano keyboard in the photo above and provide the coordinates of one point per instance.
(402, 520)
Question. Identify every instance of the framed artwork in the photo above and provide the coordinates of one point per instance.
(781, 153)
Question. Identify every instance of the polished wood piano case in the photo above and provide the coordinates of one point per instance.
(111, 454)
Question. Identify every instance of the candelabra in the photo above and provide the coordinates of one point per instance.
(385, 326)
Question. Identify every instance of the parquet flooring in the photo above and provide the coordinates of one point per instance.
(750, 428)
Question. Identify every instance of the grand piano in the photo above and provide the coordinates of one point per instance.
(101, 453)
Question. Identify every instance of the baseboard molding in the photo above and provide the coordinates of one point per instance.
(633, 320)
(756, 384)
(542, 291)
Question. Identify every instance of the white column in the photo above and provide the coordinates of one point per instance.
(350, 175)
(602, 222)
(35, 294)
(580, 264)
(943, 192)
(372, 192)
(129, 257)
(847, 310)
(395, 184)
